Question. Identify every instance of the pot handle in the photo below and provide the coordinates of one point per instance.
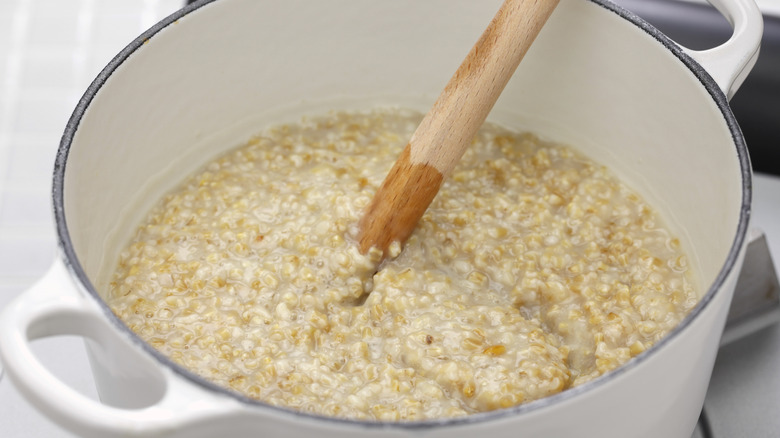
(53, 307)
(730, 63)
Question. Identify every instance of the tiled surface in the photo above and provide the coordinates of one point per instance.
(50, 50)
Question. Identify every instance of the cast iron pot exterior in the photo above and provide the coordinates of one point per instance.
(207, 78)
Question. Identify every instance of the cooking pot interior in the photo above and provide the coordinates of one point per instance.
(190, 90)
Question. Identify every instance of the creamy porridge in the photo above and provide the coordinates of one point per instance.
(533, 271)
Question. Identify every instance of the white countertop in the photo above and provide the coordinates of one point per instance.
(49, 52)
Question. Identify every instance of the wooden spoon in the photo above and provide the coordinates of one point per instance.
(450, 126)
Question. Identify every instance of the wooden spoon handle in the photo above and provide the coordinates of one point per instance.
(450, 125)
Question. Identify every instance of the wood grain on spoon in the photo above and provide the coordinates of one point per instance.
(450, 125)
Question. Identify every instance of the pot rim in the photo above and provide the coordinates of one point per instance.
(73, 265)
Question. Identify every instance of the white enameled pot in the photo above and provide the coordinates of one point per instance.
(208, 77)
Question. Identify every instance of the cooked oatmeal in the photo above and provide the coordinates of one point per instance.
(533, 271)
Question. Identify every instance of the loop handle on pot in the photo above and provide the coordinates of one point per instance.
(730, 63)
(54, 307)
